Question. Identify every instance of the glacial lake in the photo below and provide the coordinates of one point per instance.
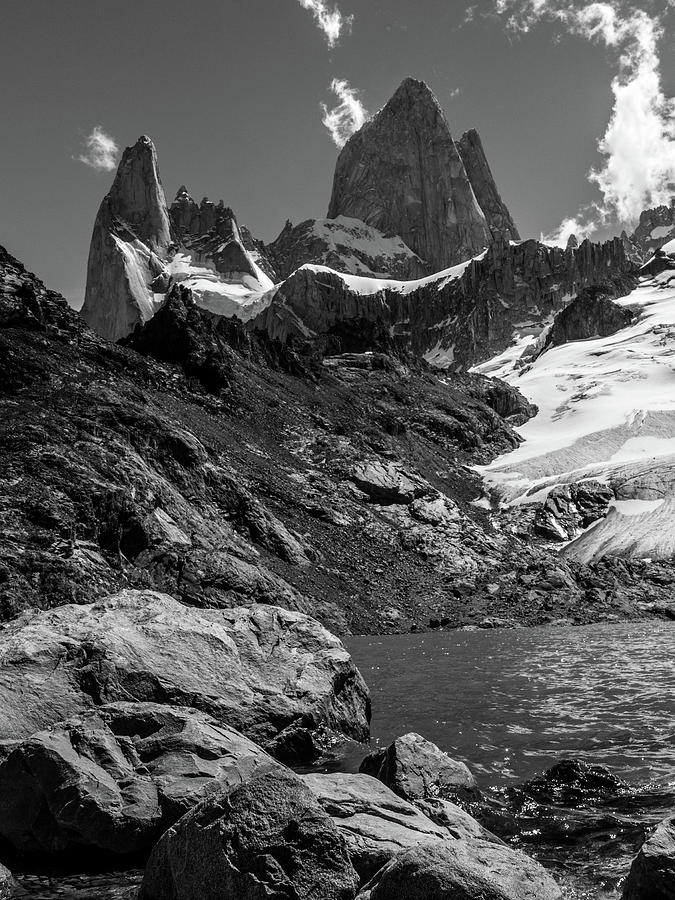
(511, 703)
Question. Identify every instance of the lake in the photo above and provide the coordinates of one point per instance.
(511, 703)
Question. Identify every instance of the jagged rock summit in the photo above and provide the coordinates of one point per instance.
(131, 236)
(402, 173)
(498, 217)
(140, 247)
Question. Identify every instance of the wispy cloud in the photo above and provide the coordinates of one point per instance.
(348, 116)
(101, 150)
(330, 21)
(638, 146)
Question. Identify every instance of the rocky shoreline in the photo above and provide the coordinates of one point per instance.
(137, 731)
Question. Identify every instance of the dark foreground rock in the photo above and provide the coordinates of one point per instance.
(457, 869)
(258, 669)
(591, 314)
(652, 875)
(112, 781)
(573, 782)
(416, 769)
(268, 838)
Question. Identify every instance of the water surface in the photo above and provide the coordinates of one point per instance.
(511, 703)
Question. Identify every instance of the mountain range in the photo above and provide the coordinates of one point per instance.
(396, 415)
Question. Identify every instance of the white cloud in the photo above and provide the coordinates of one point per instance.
(330, 21)
(102, 150)
(582, 226)
(638, 146)
(348, 116)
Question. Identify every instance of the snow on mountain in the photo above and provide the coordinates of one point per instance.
(606, 414)
(347, 245)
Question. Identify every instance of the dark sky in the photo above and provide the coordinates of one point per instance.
(229, 90)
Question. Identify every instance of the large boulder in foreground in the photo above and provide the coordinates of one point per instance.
(416, 769)
(652, 874)
(267, 839)
(112, 781)
(8, 887)
(378, 825)
(461, 870)
(259, 669)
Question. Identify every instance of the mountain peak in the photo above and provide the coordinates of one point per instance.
(137, 197)
(426, 198)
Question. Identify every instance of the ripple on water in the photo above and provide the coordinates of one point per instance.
(511, 703)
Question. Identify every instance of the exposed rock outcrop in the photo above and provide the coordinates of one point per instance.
(345, 245)
(268, 837)
(574, 782)
(455, 318)
(471, 870)
(571, 508)
(416, 769)
(258, 669)
(652, 874)
(655, 228)
(591, 314)
(131, 237)
(402, 174)
(112, 780)
(477, 168)
(212, 235)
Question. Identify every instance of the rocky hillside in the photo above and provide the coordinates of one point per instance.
(220, 466)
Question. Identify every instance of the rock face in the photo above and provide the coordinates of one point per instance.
(377, 824)
(211, 233)
(454, 318)
(402, 174)
(655, 228)
(652, 874)
(475, 162)
(140, 248)
(591, 314)
(416, 769)
(472, 871)
(571, 508)
(345, 245)
(131, 236)
(111, 781)
(258, 669)
(267, 838)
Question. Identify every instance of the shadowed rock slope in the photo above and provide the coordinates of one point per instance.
(221, 467)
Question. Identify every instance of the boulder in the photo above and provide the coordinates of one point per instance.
(267, 838)
(259, 669)
(652, 874)
(386, 483)
(573, 782)
(8, 886)
(416, 769)
(461, 870)
(112, 781)
(377, 824)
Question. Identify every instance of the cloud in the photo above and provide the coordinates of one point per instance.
(102, 151)
(330, 21)
(345, 118)
(638, 146)
(583, 225)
